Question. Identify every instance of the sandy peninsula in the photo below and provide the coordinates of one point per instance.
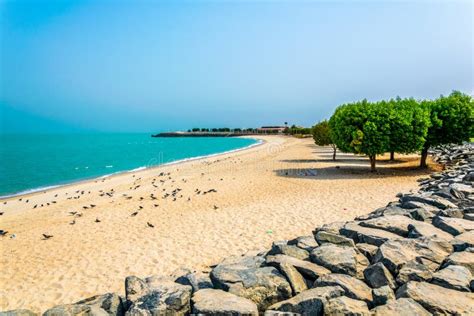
(188, 215)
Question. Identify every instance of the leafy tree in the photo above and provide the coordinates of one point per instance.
(409, 124)
(361, 128)
(451, 121)
(195, 129)
(322, 136)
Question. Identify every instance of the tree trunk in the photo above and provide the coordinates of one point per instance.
(392, 156)
(334, 152)
(372, 163)
(424, 155)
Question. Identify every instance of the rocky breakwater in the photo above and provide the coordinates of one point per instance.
(414, 256)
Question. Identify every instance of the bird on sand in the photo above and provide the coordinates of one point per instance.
(150, 224)
(97, 220)
(73, 222)
(215, 207)
(3, 232)
(134, 214)
(47, 236)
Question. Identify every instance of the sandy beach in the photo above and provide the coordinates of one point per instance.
(188, 215)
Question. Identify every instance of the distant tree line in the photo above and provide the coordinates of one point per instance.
(397, 126)
(298, 130)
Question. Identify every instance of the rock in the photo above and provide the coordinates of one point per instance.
(451, 212)
(423, 215)
(344, 305)
(309, 302)
(353, 287)
(340, 259)
(19, 312)
(308, 269)
(453, 277)
(468, 217)
(196, 280)
(422, 229)
(463, 241)
(333, 227)
(412, 205)
(307, 243)
(396, 224)
(464, 188)
(464, 258)
(402, 306)
(289, 250)
(323, 237)
(414, 271)
(107, 304)
(297, 282)
(382, 295)
(156, 296)
(219, 303)
(244, 276)
(367, 235)
(377, 275)
(367, 250)
(427, 199)
(395, 253)
(438, 300)
(454, 226)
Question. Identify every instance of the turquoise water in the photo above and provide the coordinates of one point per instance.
(29, 162)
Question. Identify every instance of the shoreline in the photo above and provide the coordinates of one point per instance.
(48, 188)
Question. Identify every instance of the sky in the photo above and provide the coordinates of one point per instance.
(147, 66)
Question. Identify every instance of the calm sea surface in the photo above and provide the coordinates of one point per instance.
(31, 162)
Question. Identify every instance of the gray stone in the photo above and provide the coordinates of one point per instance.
(340, 259)
(309, 302)
(402, 306)
(451, 212)
(464, 188)
(100, 305)
(423, 215)
(333, 227)
(289, 250)
(307, 243)
(396, 224)
(422, 229)
(382, 295)
(197, 280)
(377, 275)
(435, 201)
(367, 250)
(454, 226)
(246, 278)
(413, 271)
(308, 269)
(463, 241)
(395, 253)
(453, 277)
(463, 258)
(353, 287)
(297, 282)
(344, 305)
(220, 303)
(366, 235)
(438, 300)
(159, 296)
(323, 237)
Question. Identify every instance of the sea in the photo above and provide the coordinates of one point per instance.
(34, 162)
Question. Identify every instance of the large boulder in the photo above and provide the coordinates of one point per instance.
(453, 277)
(435, 201)
(282, 248)
(464, 258)
(454, 226)
(220, 303)
(310, 302)
(197, 280)
(414, 271)
(396, 224)
(308, 269)
(340, 259)
(323, 237)
(353, 287)
(423, 229)
(382, 295)
(156, 296)
(344, 305)
(402, 306)
(367, 250)
(463, 241)
(245, 277)
(377, 275)
(307, 243)
(367, 235)
(297, 282)
(100, 305)
(395, 253)
(438, 300)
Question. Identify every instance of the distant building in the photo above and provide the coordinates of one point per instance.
(271, 129)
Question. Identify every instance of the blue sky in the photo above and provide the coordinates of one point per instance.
(162, 65)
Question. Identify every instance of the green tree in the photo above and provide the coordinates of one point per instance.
(322, 136)
(451, 121)
(362, 128)
(409, 122)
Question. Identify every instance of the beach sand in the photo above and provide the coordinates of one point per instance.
(281, 189)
